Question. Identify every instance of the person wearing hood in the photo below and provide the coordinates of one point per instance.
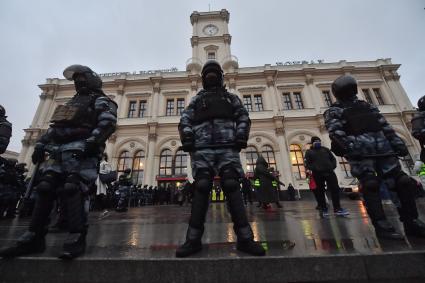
(266, 183)
(75, 141)
(361, 134)
(213, 129)
(322, 163)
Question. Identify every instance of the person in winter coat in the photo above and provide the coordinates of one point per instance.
(322, 163)
(266, 183)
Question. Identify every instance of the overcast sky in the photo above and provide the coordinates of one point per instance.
(40, 38)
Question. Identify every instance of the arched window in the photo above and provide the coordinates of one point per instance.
(345, 167)
(124, 161)
(165, 162)
(268, 154)
(251, 158)
(180, 163)
(138, 167)
(297, 161)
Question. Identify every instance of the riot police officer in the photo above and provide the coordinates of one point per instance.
(361, 134)
(8, 178)
(124, 188)
(74, 141)
(214, 128)
(418, 126)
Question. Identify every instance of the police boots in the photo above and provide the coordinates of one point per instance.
(74, 246)
(28, 243)
(385, 230)
(246, 242)
(193, 243)
(414, 228)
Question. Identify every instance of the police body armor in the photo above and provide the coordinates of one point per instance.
(213, 105)
(78, 112)
(5, 134)
(360, 119)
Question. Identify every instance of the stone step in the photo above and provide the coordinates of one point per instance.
(383, 267)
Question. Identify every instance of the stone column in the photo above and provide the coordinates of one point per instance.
(284, 149)
(122, 107)
(271, 90)
(312, 93)
(150, 169)
(156, 81)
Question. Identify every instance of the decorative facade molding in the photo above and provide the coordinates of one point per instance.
(138, 94)
(290, 86)
(227, 38)
(156, 82)
(175, 93)
(194, 40)
(251, 89)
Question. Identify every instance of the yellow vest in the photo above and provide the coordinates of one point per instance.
(256, 182)
(214, 196)
(274, 183)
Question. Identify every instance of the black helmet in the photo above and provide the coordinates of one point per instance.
(92, 80)
(421, 103)
(127, 171)
(2, 111)
(212, 66)
(344, 87)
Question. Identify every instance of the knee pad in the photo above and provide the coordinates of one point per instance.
(371, 183)
(71, 189)
(203, 181)
(46, 185)
(229, 180)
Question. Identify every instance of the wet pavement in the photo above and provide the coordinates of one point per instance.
(296, 230)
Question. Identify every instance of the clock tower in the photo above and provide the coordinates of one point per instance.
(211, 40)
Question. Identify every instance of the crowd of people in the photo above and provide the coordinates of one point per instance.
(214, 128)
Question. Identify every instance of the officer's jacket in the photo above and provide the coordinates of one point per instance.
(363, 131)
(214, 119)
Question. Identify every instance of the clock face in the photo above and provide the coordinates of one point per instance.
(210, 30)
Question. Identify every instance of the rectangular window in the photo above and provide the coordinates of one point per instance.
(298, 100)
(378, 96)
(211, 55)
(142, 108)
(287, 104)
(131, 109)
(258, 102)
(327, 97)
(367, 95)
(180, 105)
(247, 102)
(170, 107)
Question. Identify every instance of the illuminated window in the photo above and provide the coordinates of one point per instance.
(345, 167)
(124, 161)
(165, 163)
(297, 161)
(251, 158)
(268, 154)
(180, 163)
(138, 167)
